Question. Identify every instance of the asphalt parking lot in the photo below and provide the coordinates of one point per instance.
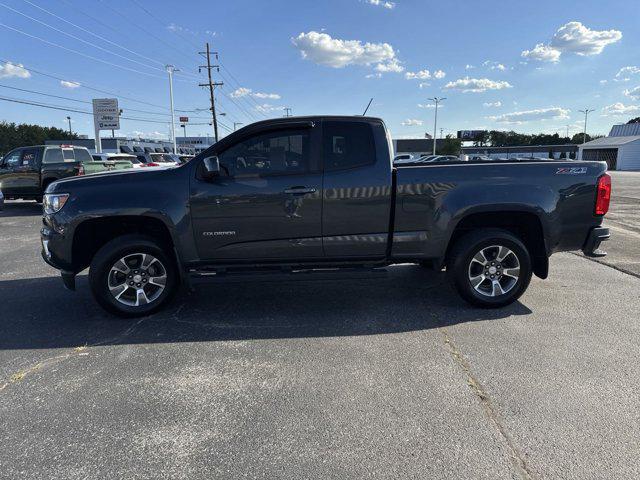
(383, 377)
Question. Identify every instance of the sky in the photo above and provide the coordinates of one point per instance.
(505, 65)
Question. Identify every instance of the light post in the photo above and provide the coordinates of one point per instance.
(69, 120)
(436, 100)
(235, 125)
(184, 129)
(170, 70)
(586, 112)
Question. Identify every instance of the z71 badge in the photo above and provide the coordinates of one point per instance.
(571, 171)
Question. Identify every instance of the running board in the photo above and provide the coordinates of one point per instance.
(284, 274)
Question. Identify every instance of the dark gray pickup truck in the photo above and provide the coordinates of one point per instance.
(319, 194)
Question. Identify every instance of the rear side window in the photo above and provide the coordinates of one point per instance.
(67, 154)
(347, 145)
(82, 155)
(53, 155)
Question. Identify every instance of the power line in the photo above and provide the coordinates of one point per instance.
(95, 89)
(75, 37)
(68, 109)
(80, 53)
(81, 101)
(138, 26)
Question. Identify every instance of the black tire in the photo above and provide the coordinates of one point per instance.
(132, 247)
(462, 268)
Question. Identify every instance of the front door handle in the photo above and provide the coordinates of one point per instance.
(299, 190)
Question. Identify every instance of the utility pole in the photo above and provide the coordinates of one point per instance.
(287, 111)
(235, 125)
(69, 120)
(170, 70)
(211, 86)
(436, 100)
(586, 112)
(184, 129)
(567, 131)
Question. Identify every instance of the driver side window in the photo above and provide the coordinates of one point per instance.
(281, 152)
(12, 159)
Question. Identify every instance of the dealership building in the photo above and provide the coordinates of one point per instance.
(621, 149)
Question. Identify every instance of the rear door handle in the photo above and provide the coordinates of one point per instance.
(299, 190)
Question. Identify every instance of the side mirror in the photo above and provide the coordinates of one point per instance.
(211, 168)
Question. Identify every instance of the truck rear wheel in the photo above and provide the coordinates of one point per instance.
(489, 268)
(132, 276)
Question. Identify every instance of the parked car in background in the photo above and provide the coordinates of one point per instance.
(405, 157)
(303, 194)
(186, 158)
(148, 159)
(26, 172)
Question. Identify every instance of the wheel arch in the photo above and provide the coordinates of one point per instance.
(524, 224)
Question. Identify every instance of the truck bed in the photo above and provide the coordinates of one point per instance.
(432, 199)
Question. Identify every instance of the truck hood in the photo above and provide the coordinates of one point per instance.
(114, 177)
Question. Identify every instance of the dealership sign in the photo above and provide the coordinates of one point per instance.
(106, 115)
(184, 119)
(470, 134)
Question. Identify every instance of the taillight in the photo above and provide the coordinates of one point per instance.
(81, 170)
(603, 195)
(151, 164)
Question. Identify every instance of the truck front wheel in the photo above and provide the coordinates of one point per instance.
(132, 276)
(489, 268)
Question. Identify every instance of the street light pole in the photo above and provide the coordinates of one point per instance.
(235, 125)
(586, 112)
(436, 100)
(69, 120)
(170, 70)
(184, 129)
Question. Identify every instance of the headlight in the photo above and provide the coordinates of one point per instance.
(53, 202)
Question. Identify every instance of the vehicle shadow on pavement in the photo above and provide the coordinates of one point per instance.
(40, 313)
(21, 209)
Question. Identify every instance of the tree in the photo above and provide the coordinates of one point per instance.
(579, 138)
(634, 120)
(450, 146)
(22, 135)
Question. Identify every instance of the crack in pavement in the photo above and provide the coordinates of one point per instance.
(515, 455)
(602, 262)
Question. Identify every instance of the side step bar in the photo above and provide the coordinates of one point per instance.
(284, 274)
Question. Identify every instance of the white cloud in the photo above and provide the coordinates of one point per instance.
(175, 28)
(542, 53)
(492, 104)
(412, 122)
(373, 75)
(624, 74)
(240, 92)
(424, 84)
(381, 3)
(633, 93)
(468, 67)
(391, 66)
(476, 85)
(325, 50)
(430, 105)
(494, 65)
(154, 135)
(573, 37)
(553, 113)
(421, 75)
(271, 96)
(576, 38)
(243, 92)
(439, 74)
(67, 84)
(619, 109)
(17, 70)
(266, 108)
(603, 82)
